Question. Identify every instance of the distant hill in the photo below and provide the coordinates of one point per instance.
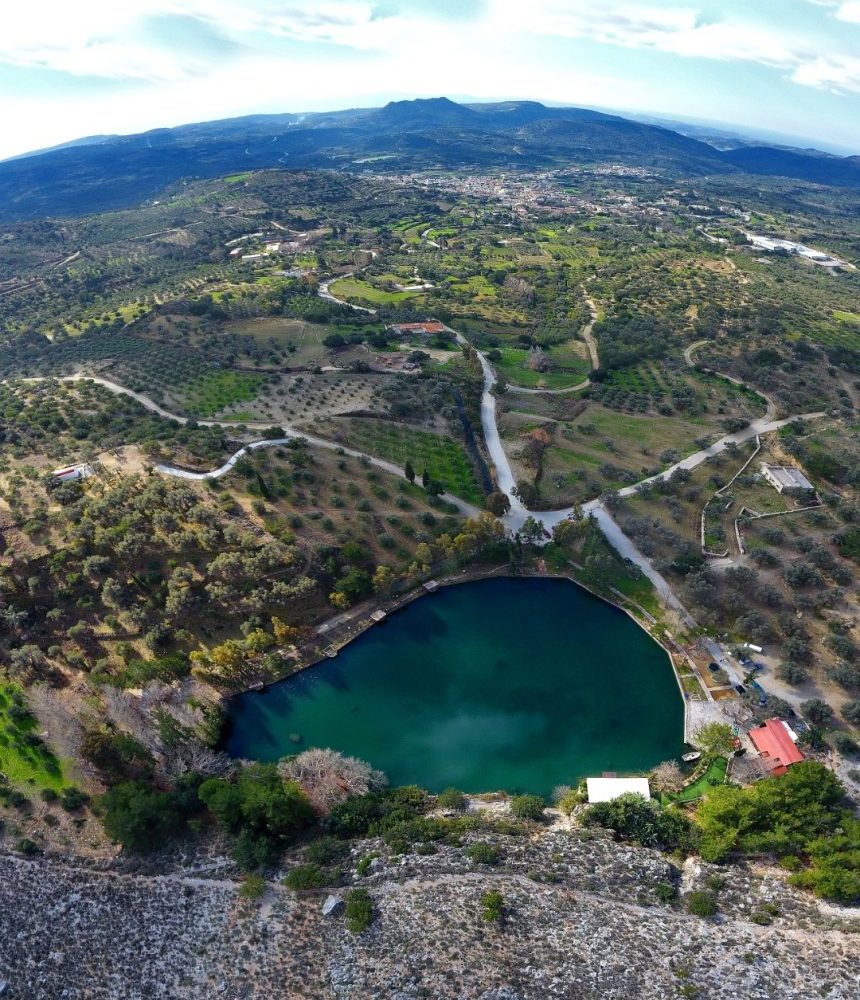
(102, 173)
(808, 165)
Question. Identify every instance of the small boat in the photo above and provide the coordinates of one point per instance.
(688, 758)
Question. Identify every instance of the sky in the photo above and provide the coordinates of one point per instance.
(122, 66)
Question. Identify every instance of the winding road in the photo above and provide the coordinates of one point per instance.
(290, 434)
(518, 514)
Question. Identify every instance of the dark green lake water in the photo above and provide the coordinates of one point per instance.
(504, 684)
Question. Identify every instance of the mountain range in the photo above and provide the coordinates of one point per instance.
(100, 173)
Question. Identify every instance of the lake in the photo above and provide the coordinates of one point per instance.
(501, 684)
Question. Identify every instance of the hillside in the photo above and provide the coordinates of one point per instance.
(580, 921)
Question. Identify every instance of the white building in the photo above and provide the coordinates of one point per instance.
(607, 789)
(785, 477)
(72, 472)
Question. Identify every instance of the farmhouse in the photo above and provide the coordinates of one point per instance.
(428, 329)
(785, 477)
(776, 743)
(607, 789)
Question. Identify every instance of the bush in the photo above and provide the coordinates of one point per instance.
(483, 853)
(493, 904)
(527, 807)
(665, 892)
(304, 877)
(702, 903)
(252, 887)
(359, 910)
(452, 799)
(73, 799)
(636, 818)
(326, 851)
(851, 712)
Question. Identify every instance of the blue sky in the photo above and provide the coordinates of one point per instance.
(102, 66)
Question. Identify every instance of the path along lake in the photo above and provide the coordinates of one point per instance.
(502, 684)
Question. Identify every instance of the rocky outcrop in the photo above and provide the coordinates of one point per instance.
(581, 921)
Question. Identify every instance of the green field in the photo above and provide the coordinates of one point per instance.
(209, 394)
(513, 368)
(24, 758)
(363, 291)
(442, 457)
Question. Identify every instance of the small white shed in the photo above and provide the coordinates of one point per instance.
(607, 789)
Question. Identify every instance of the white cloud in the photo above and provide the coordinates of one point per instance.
(849, 11)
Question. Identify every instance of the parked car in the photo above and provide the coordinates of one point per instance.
(740, 689)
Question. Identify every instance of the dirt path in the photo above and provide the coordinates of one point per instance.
(771, 410)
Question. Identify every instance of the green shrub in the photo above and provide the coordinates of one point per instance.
(363, 866)
(483, 853)
(252, 887)
(493, 904)
(527, 807)
(359, 910)
(702, 903)
(326, 851)
(665, 892)
(73, 799)
(452, 799)
(304, 877)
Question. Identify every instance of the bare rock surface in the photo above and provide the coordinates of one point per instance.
(581, 922)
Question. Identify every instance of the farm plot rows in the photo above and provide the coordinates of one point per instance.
(443, 458)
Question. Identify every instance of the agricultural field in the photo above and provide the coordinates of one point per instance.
(216, 393)
(570, 459)
(443, 458)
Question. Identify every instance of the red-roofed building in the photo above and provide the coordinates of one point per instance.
(776, 743)
(429, 328)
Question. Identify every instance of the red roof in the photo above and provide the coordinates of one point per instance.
(773, 741)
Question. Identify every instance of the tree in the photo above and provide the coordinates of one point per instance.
(383, 579)
(141, 818)
(851, 712)
(262, 810)
(498, 503)
(668, 776)
(816, 711)
(714, 739)
(532, 530)
(329, 778)
(777, 815)
(425, 479)
(409, 472)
